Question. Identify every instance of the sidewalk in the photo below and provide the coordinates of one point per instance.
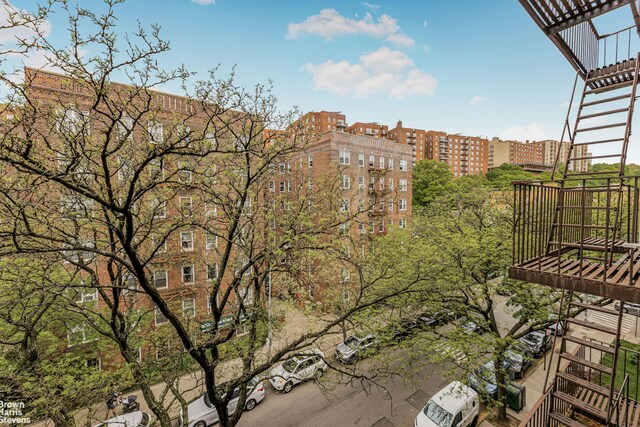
(191, 385)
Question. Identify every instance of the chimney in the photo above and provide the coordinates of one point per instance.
(399, 124)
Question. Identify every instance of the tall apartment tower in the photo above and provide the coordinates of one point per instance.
(529, 156)
(550, 150)
(466, 155)
(369, 129)
(416, 138)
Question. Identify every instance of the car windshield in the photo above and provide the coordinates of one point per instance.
(352, 342)
(533, 338)
(437, 414)
(513, 356)
(289, 365)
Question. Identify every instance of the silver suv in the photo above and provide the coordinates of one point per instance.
(304, 366)
(355, 347)
(629, 308)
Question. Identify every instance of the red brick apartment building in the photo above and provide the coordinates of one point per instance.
(466, 155)
(369, 129)
(415, 138)
(181, 230)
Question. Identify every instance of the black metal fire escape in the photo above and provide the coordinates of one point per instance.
(579, 231)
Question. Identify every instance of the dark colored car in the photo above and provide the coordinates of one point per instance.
(483, 379)
(434, 319)
(520, 358)
(537, 342)
(402, 329)
(559, 328)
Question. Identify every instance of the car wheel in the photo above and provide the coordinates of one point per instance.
(200, 424)
(317, 374)
(625, 311)
(518, 375)
(287, 387)
(251, 403)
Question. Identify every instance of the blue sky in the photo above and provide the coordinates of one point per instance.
(443, 65)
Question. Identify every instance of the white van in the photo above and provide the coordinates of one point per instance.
(456, 405)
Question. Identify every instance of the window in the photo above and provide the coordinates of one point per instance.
(80, 334)
(159, 208)
(129, 282)
(402, 223)
(86, 295)
(124, 169)
(72, 121)
(187, 274)
(282, 168)
(344, 230)
(289, 186)
(212, 271)
(403, 185)
(189, 307)
(361, 182)
(272, 186)
(403, 165)
(390, 163)
(156, 132)
(403, 205)
(211, 240)
(361, 228)
(160, 279)
(345, 157)
(381, 184)
(309, 184)
(372, 160)
(156, 169)
(210, 210)
(160, 319)
(310, 160)
(186, 240)
(185, 205)
(282, 186)
(361, 159)
(345, 276)
(381, 227)
(247, 295)
(390, 184)
(345, 182)
(390, 205)
(345, 206)
(159, 244)
(381, 162)
(185, 172)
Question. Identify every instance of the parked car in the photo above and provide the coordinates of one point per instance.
(355, 347)
(469, 326)
(435, 319)
(520, 359)
(559, 328)
(629, 308)
(304, 366)
(538, 342)
(456, 405)
(202, 412)
(402, 329)
(132, 419)
(483, 379)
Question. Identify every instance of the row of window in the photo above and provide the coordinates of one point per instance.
(345, 159)
(402, 205)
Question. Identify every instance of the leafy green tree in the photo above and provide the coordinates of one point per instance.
(431, 179)
(503, 176)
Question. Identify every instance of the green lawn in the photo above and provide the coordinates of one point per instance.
(631, 367)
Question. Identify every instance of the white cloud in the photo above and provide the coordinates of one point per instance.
(18, 24)
(329, 24)
(204, 2)
(371, 6)
(478, 100)
(533, 131)
(382, 71)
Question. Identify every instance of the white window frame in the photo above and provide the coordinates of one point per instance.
(193, 274)
(182, 241)
(345, 182)
(345, 156)
(217, 270)
(156, 131)
(402, 206)
(209, 245)
(166, 279)
(158, 313)
(192, 308)
(361, 160)
(188, 206)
